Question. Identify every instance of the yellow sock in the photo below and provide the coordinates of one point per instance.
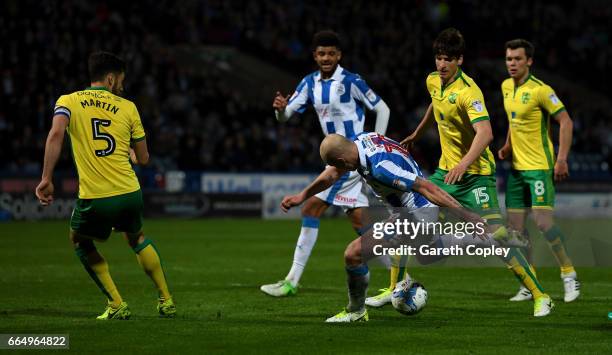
(525, 273)
(102, 271)
(149, 259)
(98, 270)
(556, 242)
(398, 270)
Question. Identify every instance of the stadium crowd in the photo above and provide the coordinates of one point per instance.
(199, 121)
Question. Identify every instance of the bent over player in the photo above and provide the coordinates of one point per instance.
(339, 97)
(101, 126)
(396, 177)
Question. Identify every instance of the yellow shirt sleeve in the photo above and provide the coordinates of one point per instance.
(138, 132)
(62, 106)
(548, 100)
(472, 102)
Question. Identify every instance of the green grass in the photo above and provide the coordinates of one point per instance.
(215, 268)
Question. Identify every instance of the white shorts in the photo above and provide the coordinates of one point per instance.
(346, 192)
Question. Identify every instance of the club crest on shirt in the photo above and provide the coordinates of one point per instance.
(452, 98)
(371, 95)
(525, 97)
(554, 99)
(340, 89)
(477, 105)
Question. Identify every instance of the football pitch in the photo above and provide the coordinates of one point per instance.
(215, 268)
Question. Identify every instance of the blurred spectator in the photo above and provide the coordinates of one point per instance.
(198, 121)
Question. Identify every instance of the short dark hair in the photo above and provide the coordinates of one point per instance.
(326, 38)
(521, 43)
(101, 63)
(449, 42)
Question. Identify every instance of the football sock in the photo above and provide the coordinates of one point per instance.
(358, 278)
(524, 272)
(556, 241)
(149, 259)
(303, 248)
(97, 268)
(398, 270)
(529, 251)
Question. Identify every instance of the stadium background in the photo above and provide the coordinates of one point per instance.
(203, 75)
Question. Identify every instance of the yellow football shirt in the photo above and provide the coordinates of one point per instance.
(529, 108)
(101, 127)
(456, 107)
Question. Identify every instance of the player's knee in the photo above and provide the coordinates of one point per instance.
(352, 255)
(543, 226)
(134, 239)
(313, 208)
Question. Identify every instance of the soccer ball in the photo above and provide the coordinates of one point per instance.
(409, 297)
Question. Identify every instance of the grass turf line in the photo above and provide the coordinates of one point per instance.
(215, 268)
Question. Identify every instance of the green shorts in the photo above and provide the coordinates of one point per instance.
(530, 189)
(97, 217)
(475, 192)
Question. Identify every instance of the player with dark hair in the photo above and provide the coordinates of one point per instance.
(529, 105)
(102, 126)
(339, 98)
(467, 167)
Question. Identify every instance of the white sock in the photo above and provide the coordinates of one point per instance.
(305, 243)
(357, 278)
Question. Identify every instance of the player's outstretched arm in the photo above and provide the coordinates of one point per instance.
(434, 194)
(482, 139)
(421, 128)
(566, 128)
(441, 198)
(382, 117)
(326, 179)
(53, 149)
(280, 107)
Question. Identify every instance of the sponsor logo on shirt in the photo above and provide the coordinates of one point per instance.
(477, 105)
(345, 199)
(336, 112)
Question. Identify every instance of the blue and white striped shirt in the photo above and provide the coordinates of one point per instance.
(389, 170)
(338, 101)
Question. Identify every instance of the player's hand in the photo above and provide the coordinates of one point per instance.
(291, 201)
(561, 170)
(133, 157)
(455, 174)
(44, 192)
(408, 142)
(504, 152)
(280, 101)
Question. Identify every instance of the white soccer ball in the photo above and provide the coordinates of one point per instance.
(409, 297)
